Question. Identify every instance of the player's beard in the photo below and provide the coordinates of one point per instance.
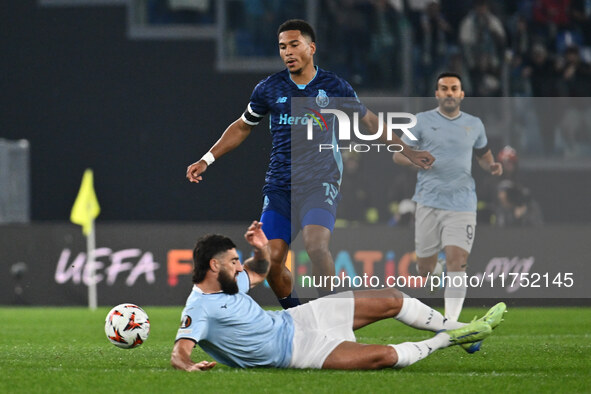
(227, 282)
(449, 104)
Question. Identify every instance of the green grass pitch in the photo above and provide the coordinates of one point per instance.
(63, 350)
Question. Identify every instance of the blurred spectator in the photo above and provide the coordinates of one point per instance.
(543, 76)
(414, 10)
(482, 37)
(453, 12)
(581, 15)
(488, 186)
(549, 18)
(519, 85)
(432, 49)
(574, 75)
(384, 69)
(257, 35)
(516, 206)
(486, 77)
(348, 38)
(457, 65)
(575, 129)
(521, 40)
(542, 72)
(508, 158)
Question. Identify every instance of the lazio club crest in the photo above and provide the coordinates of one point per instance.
(322, 99)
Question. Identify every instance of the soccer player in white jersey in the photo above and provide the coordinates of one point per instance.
(446, 195)
(233, 329)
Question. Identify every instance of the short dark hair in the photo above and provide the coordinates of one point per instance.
(298, 24)
(206, 249)
(447, 74)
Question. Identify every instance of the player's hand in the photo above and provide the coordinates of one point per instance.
(255, 236)
(202, 366)
(496, 169)
(195, 170)
(420, 158)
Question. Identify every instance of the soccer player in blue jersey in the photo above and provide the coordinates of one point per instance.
(232, 328)
(446, 195)
(314, 208)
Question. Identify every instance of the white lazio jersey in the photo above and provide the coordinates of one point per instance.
(448, 184)
(235, 330)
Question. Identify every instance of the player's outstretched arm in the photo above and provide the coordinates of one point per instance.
(257, 267)
(419, 158)
(181, 357)
(487, 163)
(234, 135)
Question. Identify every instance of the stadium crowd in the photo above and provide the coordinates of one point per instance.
(500, 47)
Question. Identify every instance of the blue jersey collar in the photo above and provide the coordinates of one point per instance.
(303, 86)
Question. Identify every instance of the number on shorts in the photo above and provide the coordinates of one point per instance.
(330, 192)
(470, 231)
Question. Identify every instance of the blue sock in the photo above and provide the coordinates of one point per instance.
(290, 301)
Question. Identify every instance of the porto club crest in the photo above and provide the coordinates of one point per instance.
(322, 99)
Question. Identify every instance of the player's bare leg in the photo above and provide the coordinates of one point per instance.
(279, 278)
(374, 305)
(426, 265)
(352, 355)
(456, 260)
(317, 241)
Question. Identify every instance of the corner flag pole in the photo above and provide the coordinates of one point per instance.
(90, 248)
(86, 208)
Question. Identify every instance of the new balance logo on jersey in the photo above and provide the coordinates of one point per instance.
(281, 100)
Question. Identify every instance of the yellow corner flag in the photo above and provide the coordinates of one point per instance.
(86, 207)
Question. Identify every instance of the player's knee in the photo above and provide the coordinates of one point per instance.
(394, 299)
(317, 250)
(277, 258)
(423, 270)
(386, 357)
(425, 265)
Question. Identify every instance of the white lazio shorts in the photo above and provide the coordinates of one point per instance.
(319, 327)
(436, 228)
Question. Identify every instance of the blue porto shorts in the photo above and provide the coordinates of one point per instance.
(285, 212)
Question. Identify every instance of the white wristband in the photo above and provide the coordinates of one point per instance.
(208, 158)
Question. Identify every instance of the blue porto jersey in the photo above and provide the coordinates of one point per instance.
(448, 184)
(274, 96)
(235, 330)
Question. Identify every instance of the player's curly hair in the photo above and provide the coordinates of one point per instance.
(207, 248)
(298, 24)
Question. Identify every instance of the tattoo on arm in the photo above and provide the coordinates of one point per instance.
(258, 266)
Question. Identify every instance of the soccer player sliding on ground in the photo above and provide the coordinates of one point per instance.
(232, 328)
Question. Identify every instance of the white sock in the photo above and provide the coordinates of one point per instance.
(418, 315)
(454, 295)
(411, 352)
(438, 270)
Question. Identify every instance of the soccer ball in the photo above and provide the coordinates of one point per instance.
(127, 326)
